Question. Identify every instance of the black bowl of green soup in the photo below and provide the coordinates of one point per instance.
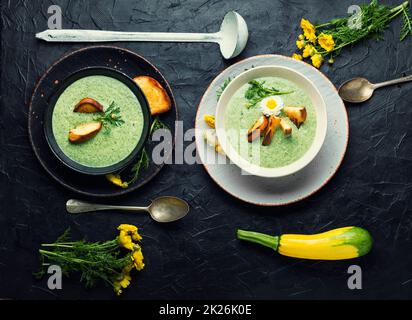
(97, 121)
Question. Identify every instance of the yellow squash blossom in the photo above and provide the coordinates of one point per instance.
(326, 41)
(297, 56)
(210, 120)
(308, 51)
(137, 258)
(317, 60)
(300, 43)
(308, 30)
(117, 180)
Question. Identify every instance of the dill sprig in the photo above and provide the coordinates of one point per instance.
(111, 117)
(223, 87)
(406, 29)
(142, 163)
(156, 125)
(257, 92)
(93, 260)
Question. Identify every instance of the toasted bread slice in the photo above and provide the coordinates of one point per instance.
(296, 114)
(258, 129)
(274, 122)
(88, 105)
(84, 131)
(156, 95)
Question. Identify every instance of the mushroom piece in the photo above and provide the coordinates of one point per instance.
(296, 114)
(258, 129)
(84, 131)
(274, 122)
(88, 105)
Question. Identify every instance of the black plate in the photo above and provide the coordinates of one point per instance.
(48, 128)
(120, 59)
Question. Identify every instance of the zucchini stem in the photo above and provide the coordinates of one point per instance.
(259, 238)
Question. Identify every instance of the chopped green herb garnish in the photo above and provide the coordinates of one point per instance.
(257, 92)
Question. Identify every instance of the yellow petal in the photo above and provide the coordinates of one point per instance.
(297, 56)
(326, 41)
(210, 120)
(117, 180)
(317, 60)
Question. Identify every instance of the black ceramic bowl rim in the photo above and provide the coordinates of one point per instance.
(48, 128)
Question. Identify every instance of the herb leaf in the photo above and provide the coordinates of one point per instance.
(406, 24)
(156, 125)
(257, 92)
(223, 87)
(142, 163)
(111, 117)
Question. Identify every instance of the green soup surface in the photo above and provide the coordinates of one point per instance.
(108, 147)
(283, 150)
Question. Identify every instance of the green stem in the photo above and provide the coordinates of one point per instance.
(259, 238)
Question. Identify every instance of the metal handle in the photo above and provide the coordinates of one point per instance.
(76, 35)
(77, 206)
(392, 82)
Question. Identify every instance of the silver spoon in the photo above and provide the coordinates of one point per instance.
(232, 36)
(360, 89)
(163, 209)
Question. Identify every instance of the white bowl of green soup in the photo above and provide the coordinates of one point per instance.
(97, 121)
(271, 121)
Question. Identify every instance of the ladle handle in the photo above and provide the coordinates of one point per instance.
(76, 35)
(392, 82)
(77, 206)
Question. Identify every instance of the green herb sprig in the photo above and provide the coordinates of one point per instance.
(142, 163)
(93, 260)
(110, 117)
(156, 125)
(257, 92)
(222, 88)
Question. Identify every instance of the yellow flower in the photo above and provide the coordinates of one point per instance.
(125, 240)
(300, 43)
(308, 30)
(128, 234)
(210, 120)
(297, 56)
(124, 280)
(326, 41)
(117, 180)
(308, 51)
(137, 258)
(301, 37)
(317, 60)
(127, 227)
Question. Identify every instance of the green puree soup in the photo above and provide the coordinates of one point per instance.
(108, 147)
(283, 150)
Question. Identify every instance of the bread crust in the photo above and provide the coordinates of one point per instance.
(157, 97)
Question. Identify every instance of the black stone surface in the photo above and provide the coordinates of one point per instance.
(199, 256)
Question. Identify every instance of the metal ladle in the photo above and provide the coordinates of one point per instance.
(360, 89)
(163, 209)
(232, 36)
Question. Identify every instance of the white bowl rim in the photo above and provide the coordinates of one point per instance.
(248, 167)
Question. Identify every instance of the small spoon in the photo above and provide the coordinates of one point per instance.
(232, 37)
(163, 209)
(360, 89)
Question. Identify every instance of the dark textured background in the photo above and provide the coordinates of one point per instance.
(199, 256)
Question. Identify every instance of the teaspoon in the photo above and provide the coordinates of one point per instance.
(360, 89)
(163, 209)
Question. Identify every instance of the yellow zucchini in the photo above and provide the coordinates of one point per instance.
(337, 244)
